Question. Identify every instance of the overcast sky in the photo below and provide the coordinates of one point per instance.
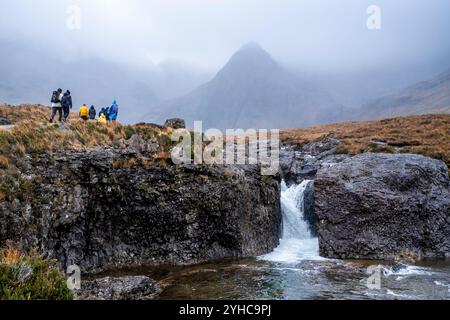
(319, 34)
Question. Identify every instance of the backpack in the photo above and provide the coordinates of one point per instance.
(84, 112)
(55, 97)
(65, 101)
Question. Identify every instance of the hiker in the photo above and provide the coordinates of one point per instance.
(102, 119)
(113, 111)
(66, 103)
(106, 113)
(84, 112)
(92, 113)
(56, 105)
(101, 112)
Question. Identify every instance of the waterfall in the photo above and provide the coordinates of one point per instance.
(296, 243)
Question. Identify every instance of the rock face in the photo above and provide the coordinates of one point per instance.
(309, 209)
(103, 209)
(4, 122)
(302, 163)
(299, 163)
(382, 206)
(124, 288)
(175, 124)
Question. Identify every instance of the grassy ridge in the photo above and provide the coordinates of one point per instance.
(33, 135)
(28, 112)
(428, 135)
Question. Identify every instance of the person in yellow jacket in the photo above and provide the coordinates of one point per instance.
(102, 119)
(84, 113)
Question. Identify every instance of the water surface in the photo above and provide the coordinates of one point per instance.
(295, 271)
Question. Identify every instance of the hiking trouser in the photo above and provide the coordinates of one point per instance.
(54, 111)
(66, 111)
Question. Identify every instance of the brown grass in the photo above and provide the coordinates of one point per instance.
(427, 135)
(28, 112)
(37, 136)
(10, 255)
(4, 162)
(33, 134)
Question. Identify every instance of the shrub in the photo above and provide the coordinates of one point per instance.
(166, 142)
(30, 278)
(129, 132)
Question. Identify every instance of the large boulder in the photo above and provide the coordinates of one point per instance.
(384, 206)
(175, 123)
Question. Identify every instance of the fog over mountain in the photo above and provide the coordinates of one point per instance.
(253, 91)
(33, 74)
(149, 53)
(356, 88)
(426, 97)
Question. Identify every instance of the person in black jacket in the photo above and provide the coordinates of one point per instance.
(92, 113)
(56, 105)
(66, 103)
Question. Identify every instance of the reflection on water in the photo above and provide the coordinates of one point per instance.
(328, 279)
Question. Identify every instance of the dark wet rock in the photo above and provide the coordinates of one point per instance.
(5, 122)
(309, 208)
(123, 288)
(300, 163)
(138, 145)
(384, 206)
(175, 123)
(101, 209)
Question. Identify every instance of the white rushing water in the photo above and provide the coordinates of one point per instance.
(296, 243)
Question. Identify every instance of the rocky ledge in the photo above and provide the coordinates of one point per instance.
(103, 208)
(4, 121)
(384, 206)
(123, 288)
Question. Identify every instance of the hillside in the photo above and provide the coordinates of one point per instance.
(32, 135)
(427, 97)
(253, 91)
(427, 135)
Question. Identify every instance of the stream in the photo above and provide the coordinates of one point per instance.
(295, 271)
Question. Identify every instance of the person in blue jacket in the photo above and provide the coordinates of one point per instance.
(113, 111)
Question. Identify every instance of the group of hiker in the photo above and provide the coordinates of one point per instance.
(104, 115)
(62, 104)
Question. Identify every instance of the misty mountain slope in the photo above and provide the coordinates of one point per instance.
(253, 91)
(427, 97)
(29, 75)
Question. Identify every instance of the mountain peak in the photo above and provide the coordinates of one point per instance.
(250, 59)
(252, 50)
(252, 46)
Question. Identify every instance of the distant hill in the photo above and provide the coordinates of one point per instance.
(427, 97)
(253, 91)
